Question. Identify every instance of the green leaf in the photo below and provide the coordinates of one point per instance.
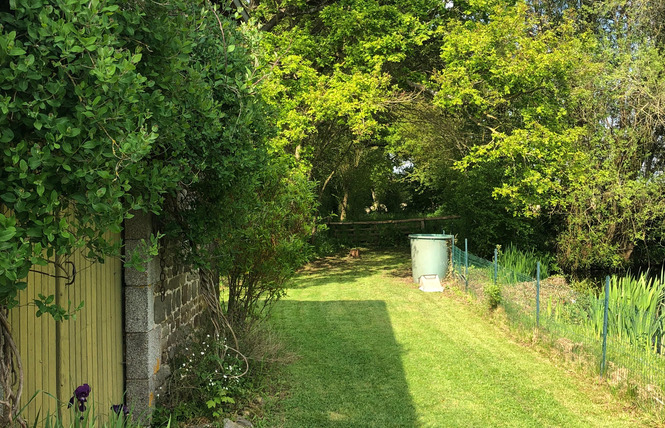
(34, 162)
(110, 9)
(7, 233)
(7, 135)
(8, 197)
(89, 41)
(16, 51)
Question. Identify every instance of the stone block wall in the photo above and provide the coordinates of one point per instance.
(178, 306)
(163, 306)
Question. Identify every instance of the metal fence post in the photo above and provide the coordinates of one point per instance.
(466, 265)
(607, 303)
(453, 254)
(538, 294)
(496, 265)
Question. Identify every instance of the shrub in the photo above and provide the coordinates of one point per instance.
(323, 244)
(493, 295)
(207, 380)
(267, 242)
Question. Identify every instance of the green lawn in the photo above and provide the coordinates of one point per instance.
(374, 351)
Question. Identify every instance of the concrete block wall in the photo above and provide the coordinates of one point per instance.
(163, 306)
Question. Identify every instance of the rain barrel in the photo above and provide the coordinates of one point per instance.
(429, 255)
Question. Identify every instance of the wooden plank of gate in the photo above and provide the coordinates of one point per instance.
(57, 357)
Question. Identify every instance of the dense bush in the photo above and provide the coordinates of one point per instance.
(267, 243)
(114, 106)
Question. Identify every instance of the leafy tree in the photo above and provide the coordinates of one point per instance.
(433, 140)
(335, 69)
(267, 242)
(620, 203)
(556, 103)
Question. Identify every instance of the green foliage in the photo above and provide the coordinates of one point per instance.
(207, 380)
(510, 77)
(266, 243)
(507, 79)
(567, 135)
(333, 74)
(324, 245)
(109, 107)
(143, 252)
(118, 106)
(45, 306)
(75, 134)
(609, 215)
(635, 310)
(524, 262)
(433, 141)
(493, 295)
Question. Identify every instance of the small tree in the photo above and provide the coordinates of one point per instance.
(267, 243)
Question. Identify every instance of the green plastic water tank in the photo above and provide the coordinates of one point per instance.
(429, 255)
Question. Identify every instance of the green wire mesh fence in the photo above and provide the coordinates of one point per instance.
(572, 322)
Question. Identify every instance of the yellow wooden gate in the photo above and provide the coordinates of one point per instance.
(57, 357)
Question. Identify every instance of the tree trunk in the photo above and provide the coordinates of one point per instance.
(343, 206)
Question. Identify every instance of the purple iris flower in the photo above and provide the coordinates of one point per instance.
(81, 395)
(117, 408)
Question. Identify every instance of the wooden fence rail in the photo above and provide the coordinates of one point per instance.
(379, 232)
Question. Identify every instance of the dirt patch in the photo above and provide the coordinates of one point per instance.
(553, 292)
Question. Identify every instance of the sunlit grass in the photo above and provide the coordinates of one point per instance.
(374, 351)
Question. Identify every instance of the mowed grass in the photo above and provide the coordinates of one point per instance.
(374, 351)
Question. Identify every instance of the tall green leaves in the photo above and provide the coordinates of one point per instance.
(635, 310)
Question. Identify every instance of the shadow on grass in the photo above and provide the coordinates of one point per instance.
(344, 269)
(350, 369)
